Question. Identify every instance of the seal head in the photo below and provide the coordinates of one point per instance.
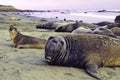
(54, 49)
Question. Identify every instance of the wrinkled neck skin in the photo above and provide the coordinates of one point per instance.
(68, 56)
(73, 53)
(60, 54)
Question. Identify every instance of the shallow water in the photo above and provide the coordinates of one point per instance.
(89, 17)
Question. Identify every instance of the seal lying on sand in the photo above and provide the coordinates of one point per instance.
(116, 30)
(88, 51)
(103, 23)
(73, 26)
(49, 25)
(104, 31)
(84, 30)
(67, 28)
(24, 41)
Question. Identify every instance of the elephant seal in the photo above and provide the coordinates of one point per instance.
(87, 51)
(67, 28)
(24, 41)
(116, 30)
(84, 30)
(49, 25)
(103, 23)
(73, 26)
(104, 31)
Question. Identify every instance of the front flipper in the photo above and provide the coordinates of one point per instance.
(26, 46)
(92, 71)
(93, 61)
(21, 46)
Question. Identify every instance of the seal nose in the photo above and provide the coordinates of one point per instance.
(48, 58)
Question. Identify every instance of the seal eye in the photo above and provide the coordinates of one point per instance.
(54, 41)
(62, 42)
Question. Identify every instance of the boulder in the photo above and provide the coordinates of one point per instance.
(117, 19)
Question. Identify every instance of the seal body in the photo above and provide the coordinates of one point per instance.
(84, 30)
(24, 41)
(103, 31)
(67, 28)
(116, 31)
(49, 25)
(73, 26)
(88, 51)
(103, 23)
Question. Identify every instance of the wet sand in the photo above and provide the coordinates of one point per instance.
(29, 64)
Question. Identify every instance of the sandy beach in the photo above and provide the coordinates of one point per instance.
(29, 64)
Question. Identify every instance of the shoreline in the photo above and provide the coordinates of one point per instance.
(88, 16)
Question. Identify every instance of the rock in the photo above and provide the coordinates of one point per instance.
(117, 19)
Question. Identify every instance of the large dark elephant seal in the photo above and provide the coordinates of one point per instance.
(24, 41)
(88, 51)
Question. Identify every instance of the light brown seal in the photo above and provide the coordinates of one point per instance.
(83, 30)
(104, 31)
(116, 30)
(24, 41)
(88, 51)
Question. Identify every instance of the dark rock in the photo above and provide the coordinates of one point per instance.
(117, 19)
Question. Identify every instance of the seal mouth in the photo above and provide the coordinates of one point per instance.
(48, 58)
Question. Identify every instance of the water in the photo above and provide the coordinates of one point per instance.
(85, 16)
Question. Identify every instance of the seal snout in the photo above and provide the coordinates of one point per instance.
(48, 58)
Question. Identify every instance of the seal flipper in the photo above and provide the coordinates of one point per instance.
(93, 61)
(92, 71)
